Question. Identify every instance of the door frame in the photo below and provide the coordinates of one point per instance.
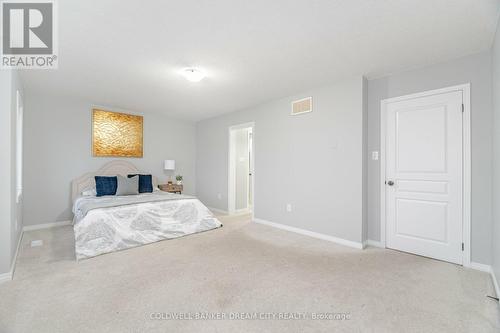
(466, 162)
(231, 198)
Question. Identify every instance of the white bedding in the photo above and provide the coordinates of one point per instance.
(113, 228)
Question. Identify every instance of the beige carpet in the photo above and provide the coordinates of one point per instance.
(242, 268)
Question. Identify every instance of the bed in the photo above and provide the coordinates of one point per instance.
(113, 223)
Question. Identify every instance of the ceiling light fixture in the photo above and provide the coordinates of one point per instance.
(193, 74)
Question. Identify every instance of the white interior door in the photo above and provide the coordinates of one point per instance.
(241, 169)
(424, 176)
(241, 165)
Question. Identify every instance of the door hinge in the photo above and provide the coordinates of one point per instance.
(463, 108)
(462, 246)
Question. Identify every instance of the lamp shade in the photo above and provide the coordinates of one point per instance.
(169, 165)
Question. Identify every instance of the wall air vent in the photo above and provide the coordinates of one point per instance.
(302, 106)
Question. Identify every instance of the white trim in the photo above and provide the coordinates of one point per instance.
(487, 269)
(10, 274)
(373, 243)
(5, 277)
(217, 210)
(466, 137)
(242, 211)
(467, 174)
(230, 173)
(13, 267)
(250, 184)
(480, 267)
(383, 121)
(225, 212)
(46, 225)
(19, 145)
(313, 234)
(495, 283)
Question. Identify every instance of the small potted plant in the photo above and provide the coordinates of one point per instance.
(179, 179)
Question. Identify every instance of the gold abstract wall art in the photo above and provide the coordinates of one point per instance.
(116, 134)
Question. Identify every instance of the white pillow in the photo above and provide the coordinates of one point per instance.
(89, 193)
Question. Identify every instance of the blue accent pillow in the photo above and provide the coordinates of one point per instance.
(145, 183)
(105, 185)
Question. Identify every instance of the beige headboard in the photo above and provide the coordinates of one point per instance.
(113, 168)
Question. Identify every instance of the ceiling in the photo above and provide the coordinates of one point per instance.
(127, 54)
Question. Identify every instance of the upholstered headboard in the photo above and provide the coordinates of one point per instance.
(113, 168)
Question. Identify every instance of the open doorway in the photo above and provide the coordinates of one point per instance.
(241, 169)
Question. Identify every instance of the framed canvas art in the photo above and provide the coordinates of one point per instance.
(116, 134)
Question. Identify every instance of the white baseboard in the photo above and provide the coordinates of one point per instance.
(495, 283)
(13, 268)
(240, 212)
(9, 275)
(225, 212)
(333, 239)
(479, 267)
(46, 225)
(217, 210)
(374, 243)
(486, 269)
(5, 277)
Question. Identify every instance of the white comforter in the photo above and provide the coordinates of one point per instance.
(113, 228)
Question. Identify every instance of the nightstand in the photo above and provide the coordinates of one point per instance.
(172, 188)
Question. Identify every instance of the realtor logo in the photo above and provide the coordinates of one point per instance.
(29, 34)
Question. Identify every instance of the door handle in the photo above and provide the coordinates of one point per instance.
(390, 183)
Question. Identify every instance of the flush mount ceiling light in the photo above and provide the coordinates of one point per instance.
(193, 74)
